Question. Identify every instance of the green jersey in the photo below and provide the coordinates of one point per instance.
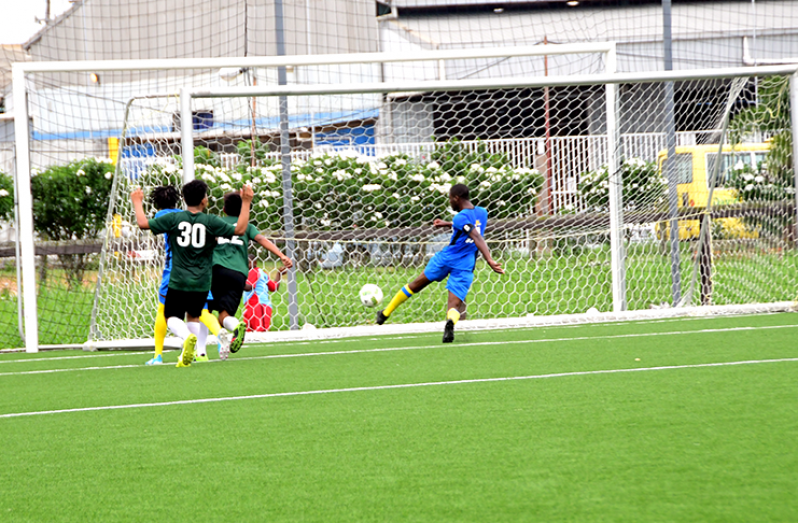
(232, 253)
(192, 238)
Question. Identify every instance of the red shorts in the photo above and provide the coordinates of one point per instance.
(257, 317)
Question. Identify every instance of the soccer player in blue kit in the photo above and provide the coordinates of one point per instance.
(456, 260)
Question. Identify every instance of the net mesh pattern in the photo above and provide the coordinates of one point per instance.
(369, 171)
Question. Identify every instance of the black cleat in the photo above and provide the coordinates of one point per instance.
(448, 332)
(381, 318)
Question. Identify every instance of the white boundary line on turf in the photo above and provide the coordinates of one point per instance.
(421, 347)
(88, 355)
(706, 312)
(398, 386)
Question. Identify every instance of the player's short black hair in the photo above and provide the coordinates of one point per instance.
(194, 192)
(460, 190)
(164, 197)
(232, 204)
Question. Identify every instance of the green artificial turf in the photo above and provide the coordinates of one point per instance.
(711, 443)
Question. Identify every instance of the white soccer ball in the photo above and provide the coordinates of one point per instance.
(370, 295)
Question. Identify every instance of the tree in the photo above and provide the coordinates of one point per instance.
(775, 179)
(70, 202)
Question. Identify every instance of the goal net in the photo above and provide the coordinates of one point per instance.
(606, 195)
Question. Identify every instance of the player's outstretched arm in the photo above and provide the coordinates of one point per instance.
(137, 197)
(440, 223)
(272, 248)
(480, 244)
(243, 218)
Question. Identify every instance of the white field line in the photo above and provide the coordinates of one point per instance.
(422, 347)
(166, 349)
(681, 319)
(398, 386)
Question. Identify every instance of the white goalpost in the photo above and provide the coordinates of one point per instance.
(352, 157)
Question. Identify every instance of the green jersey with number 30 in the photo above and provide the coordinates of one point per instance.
(192, 238)
(232, 253)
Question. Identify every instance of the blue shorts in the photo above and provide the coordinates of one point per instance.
(162, 290)
(460, 280)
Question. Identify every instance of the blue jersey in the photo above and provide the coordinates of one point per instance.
(461, 253)
(167, 268)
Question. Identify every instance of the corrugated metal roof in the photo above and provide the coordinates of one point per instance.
(452, 3)
(458, 3)
(630, 24)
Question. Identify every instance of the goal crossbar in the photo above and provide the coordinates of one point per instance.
(501, 83)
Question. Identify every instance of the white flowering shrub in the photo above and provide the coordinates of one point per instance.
(346, 191)
(644, 187)
(506, 192)
(760, 183)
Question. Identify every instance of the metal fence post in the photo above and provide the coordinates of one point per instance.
(618, 254)
(670, 172)
(285, 159)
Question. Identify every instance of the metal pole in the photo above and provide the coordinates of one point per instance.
(186, 135)
(25, 213)
(670, 172)
(794, 128)
(285, 159)
(617, 251)
(18, 259)
(548, 205)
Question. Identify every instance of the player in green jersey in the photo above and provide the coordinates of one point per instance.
(192, 238)
(231, 267)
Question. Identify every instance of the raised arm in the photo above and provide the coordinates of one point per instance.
(440, 223)
(272, 248)
(137, 197)
(243, 219)
(479, 243)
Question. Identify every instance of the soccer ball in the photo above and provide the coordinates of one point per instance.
(370, 295)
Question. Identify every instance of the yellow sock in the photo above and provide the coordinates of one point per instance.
(210, 321)
(160, 330)
(453, 315)
(397, 300)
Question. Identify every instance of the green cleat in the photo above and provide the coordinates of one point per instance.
(187, 356)
(201, 357)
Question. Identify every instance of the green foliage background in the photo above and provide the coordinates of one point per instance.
(6, 197)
